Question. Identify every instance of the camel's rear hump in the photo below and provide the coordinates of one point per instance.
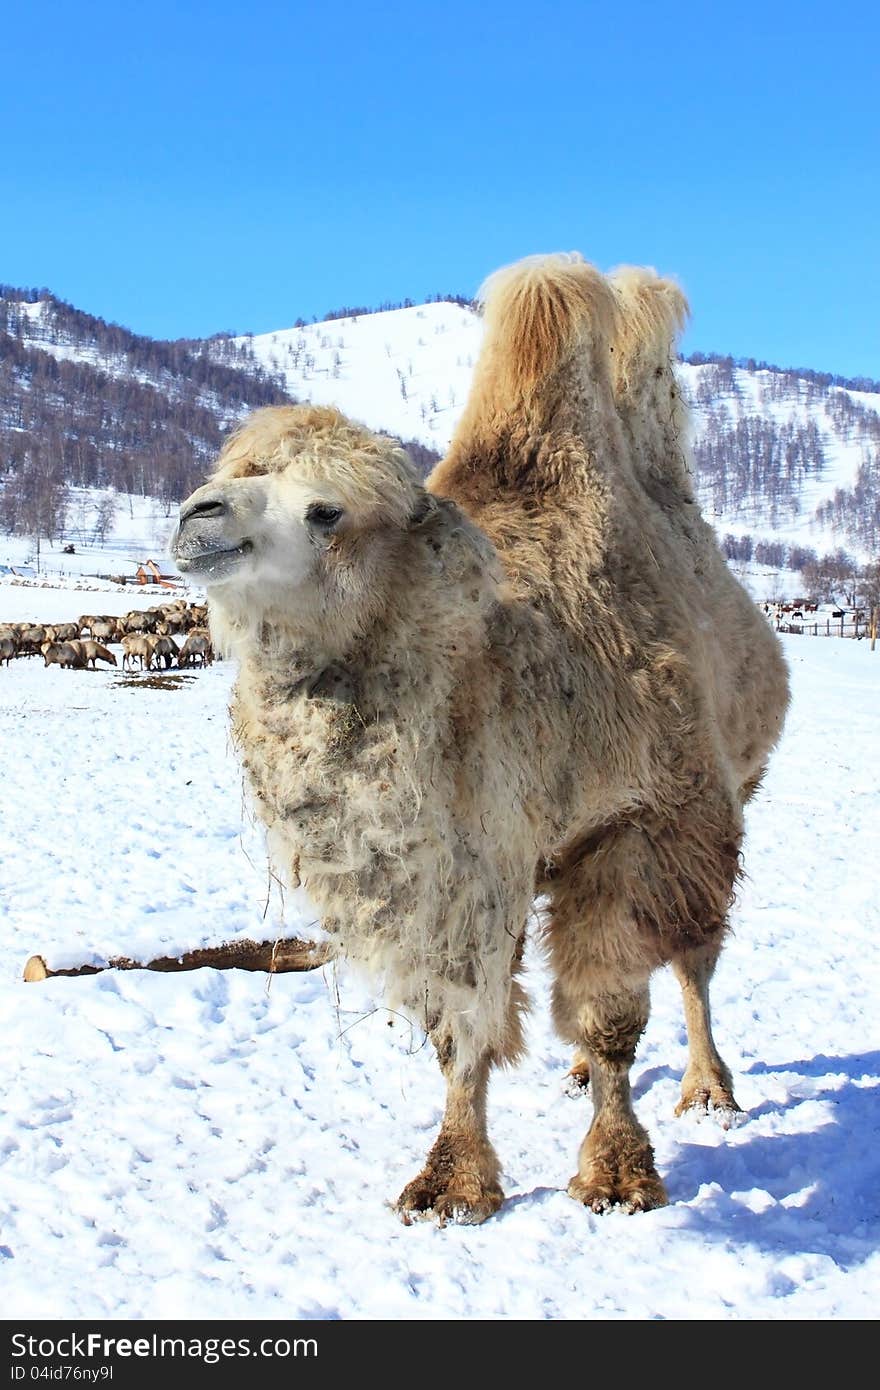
(653, 312)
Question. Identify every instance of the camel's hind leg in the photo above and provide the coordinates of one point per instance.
(602, 963)
(616, 1160)
(707, 1084)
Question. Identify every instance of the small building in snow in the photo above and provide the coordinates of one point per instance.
(149, 573)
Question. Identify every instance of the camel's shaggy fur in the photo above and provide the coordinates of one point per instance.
(534, 676)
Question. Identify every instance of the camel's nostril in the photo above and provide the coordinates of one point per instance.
(205, 507)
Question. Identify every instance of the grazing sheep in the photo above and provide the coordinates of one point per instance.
(165, 649)
(173, 613)
(138, 620)
(30, 638)
(105, 630)
(534, 675)
(60, 632)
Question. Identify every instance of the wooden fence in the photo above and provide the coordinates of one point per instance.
(857, 626)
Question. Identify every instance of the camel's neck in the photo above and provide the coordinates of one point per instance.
(435, 599)
(282, 664)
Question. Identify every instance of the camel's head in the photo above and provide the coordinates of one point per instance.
(302, 515)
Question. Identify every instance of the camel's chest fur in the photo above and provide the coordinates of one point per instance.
(335, 783)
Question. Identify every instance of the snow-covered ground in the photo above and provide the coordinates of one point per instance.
(224, 1145)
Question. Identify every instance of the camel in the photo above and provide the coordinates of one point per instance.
(531, 680)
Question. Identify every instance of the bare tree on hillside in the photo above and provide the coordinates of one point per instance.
(104, 517)
(869, 584)
(832, 576)
(34, 500)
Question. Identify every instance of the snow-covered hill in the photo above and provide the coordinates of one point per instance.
(138, 531)
(408, 371)
(773, 448)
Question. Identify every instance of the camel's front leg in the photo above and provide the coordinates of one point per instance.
(460, 1179)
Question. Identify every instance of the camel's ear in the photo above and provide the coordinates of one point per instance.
(425, 508)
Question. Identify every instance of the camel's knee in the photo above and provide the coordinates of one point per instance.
(607, 1024)
(500, 1042)
(601, 971)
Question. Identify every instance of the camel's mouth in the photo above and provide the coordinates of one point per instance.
(211, 564)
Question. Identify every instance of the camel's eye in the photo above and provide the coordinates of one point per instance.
(323, 515)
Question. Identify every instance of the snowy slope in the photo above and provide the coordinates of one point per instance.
(408, 371)
(140, 531)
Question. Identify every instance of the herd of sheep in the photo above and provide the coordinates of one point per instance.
(171, 634)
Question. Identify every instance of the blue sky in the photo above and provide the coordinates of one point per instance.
(183, 168)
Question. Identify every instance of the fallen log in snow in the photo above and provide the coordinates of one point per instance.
(274, 957)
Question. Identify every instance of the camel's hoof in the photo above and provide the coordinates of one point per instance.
(717, 1102)
(644, 1193)
(576, 1084)
(464, 1204)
